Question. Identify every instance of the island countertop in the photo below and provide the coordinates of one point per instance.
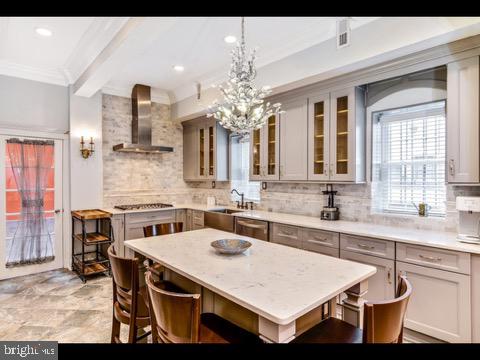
(275, 281)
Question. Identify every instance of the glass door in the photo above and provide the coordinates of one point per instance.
(31, 206)
(211, 151)
(271, 144)
(256, 154)
(201, 152)
(319, 117)
(342, 135)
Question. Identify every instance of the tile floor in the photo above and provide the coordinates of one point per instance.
(57, 306)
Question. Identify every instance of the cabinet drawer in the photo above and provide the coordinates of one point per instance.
(141, 217)
(435, 258)
(370, 246)
(319, 238)
(198, 218)
(287, 235)
(322, 249)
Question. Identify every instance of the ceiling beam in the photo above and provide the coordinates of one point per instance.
(131, 40)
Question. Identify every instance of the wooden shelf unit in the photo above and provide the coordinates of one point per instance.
(87, 263)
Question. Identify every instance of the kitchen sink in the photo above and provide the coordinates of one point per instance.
(226, 211)
(221, 219)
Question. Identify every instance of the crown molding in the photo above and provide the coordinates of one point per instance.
(98, 35)
(157, 95)
(45, 75)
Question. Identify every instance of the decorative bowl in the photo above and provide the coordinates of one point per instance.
(230, 246)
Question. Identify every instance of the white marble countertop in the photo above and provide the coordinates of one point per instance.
(438, 239)
(277, 282)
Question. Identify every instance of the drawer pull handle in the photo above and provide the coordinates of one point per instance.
(389, 275)
(368, 247)
(429, 258)
(319, 241)
(287, 235)
(253, 226)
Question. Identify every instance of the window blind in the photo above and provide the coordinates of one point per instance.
(240, 160)
(410, 159)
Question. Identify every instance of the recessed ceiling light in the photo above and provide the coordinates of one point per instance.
(178, 68)
(230, 39)
(43, 31)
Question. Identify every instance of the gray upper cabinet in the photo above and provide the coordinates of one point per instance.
(463, 154)
(347, 135)
(318, 137)
(205, 150)
(264, 151)
(293, 140)
(336, 136)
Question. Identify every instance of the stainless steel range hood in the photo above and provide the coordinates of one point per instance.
(141, 124)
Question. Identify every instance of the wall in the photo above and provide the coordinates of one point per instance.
(32, 105)
(141, 178)
(86, 174)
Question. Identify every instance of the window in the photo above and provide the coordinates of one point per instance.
(240, 171)
(408, 163)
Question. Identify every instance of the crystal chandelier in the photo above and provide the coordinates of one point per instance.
(244, 108)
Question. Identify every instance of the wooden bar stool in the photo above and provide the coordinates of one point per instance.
(176, 318)
(382, 322)
(156, 230)
(130, 301)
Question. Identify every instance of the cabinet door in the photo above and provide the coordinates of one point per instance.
(293, 140)
(318, 141)
(381, 286)
(118, 227)
(440, 303)
(270, 138)
(211, 146)
(342, 135)
(256, 150)
(190, 157)
(463, 121)
(201, 151)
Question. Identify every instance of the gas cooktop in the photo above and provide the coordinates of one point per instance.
(143, 206)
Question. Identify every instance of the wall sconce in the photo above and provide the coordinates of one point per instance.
(86, 152)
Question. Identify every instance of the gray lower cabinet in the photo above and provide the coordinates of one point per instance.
(181, 216)
(381, 286)
(440, 305)
(322, 242)
(286, 235)
(198, 221)
(188, 219)
(118, 227)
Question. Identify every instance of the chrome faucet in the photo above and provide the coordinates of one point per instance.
(241, 205)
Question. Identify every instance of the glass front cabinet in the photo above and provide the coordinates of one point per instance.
(337, 136)
(264, 154)
(205, 149)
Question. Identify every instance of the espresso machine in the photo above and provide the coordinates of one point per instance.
(468, 219)
(330, 212)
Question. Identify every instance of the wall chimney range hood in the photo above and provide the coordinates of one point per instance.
(141, 124)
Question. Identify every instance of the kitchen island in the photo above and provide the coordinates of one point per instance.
(278, 289)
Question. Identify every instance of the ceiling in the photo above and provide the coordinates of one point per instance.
(114, 53)
(198, 45)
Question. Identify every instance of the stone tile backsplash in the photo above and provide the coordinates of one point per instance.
(142, 178)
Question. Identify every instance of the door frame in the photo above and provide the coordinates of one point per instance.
(65, 180)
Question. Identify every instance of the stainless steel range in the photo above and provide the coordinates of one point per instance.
(143, 206)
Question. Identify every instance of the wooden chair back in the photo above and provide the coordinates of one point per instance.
(129, 305)
(383, 320)
(175, 316)
(162, 229)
